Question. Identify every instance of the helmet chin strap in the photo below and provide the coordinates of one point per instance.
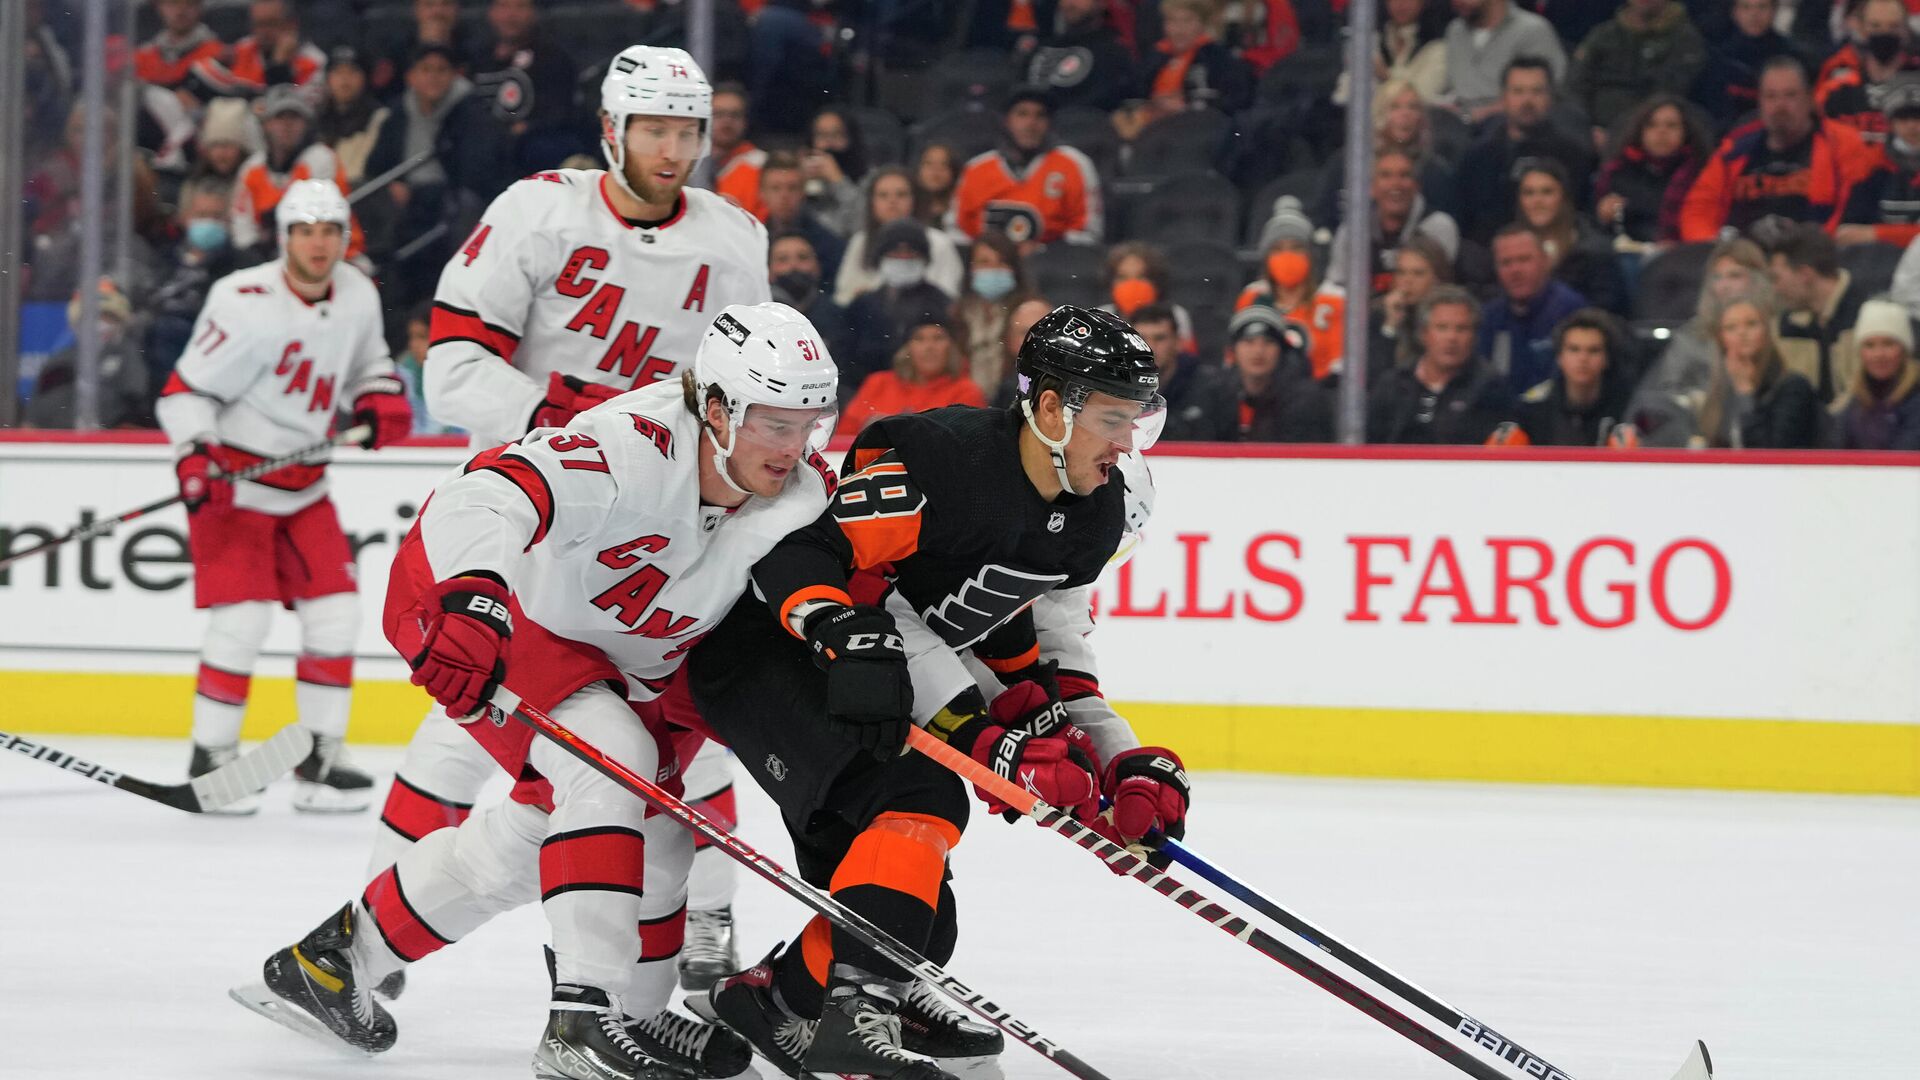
(1056, 449)
(721, 455)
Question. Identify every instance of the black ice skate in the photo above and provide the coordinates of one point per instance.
(205, 759)
(859, 1033)
(313, 988)
(587, 1038)
(709, 951)
(326, 783)
(932, 1025)
(702, 1049)
(746, 1003)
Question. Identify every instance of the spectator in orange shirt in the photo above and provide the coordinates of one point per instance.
(1190, 70)
(1292, 286)
(274, 54)
(1885, 207)
(164, 66)
(292, 153)
(928, 372)
(736, 162)
(1850, 92)
(1032, 189)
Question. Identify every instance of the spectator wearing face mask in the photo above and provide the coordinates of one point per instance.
(1290, 287)
(201, 255)
(890, 199)
(783, 206)
(798, 279)
(1136, 277)
(1852, 81)
(996, 284)
(1885, 207)
(879, 317)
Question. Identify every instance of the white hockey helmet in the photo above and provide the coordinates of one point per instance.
(646, 80)
(311, 202)
(1139, 503)
(768, 355)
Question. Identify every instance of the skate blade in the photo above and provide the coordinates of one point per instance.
(313, 798)
(255, 997)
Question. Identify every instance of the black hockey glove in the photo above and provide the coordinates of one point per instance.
(869, 695)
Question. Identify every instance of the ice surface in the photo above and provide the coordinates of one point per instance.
(1604, 929)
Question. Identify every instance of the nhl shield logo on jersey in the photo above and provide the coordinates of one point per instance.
(1056, 521)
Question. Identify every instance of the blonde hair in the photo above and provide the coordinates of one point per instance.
(1708, 311)
(1714, 412)
(956, 355)
(1383, 101)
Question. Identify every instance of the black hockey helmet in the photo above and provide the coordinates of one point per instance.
(1086, 351)
(1078, 352)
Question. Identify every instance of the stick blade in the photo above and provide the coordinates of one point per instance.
(252, 771)
(1698, 1065)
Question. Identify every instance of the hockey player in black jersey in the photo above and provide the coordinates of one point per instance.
(948, 527)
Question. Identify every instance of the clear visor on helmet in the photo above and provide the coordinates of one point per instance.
(676, 138)
(1129, 425)
(787, 431)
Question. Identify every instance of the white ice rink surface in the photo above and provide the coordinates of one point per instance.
(1604, 929)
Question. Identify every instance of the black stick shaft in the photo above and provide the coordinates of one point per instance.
(826, 906)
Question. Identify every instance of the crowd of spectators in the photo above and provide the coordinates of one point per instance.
(1594, 222)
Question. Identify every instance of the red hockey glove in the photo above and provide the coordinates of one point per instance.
(1059, 769)
(383, 407)
(1148, 789)
(568, 397)
(462, 655)
(202, 481)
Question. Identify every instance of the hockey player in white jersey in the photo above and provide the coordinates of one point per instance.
(277, 352)
(579, 565)
(575, 286)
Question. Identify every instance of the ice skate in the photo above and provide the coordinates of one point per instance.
(859, 1033)
(588, 1038)
(745, 1002)
(205, 759)
(702, 1049)
(930, 1024)
(709, 951)
(326, 783)
(313, 988)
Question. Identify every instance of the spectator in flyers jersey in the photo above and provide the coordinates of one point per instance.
(1885, 207)
(1031, 188)
(275, 53)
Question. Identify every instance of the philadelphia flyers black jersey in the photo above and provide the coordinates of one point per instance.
(939, 506)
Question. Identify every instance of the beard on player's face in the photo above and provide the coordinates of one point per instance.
(645, 177)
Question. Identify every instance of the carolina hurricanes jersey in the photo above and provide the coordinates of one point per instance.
(598, 530)
(552, 279)
(265, 371)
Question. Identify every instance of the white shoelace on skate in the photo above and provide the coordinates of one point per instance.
(794, 1037)
(706, 934)
(611, 1026)
(685, 1037)
(936, 1006)
(881, 1032)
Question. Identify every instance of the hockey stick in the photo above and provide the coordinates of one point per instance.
(258, 469)
(244, 775)
(823, 904)
(1393, 1008)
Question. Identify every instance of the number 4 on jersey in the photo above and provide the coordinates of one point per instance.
(472, 250)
